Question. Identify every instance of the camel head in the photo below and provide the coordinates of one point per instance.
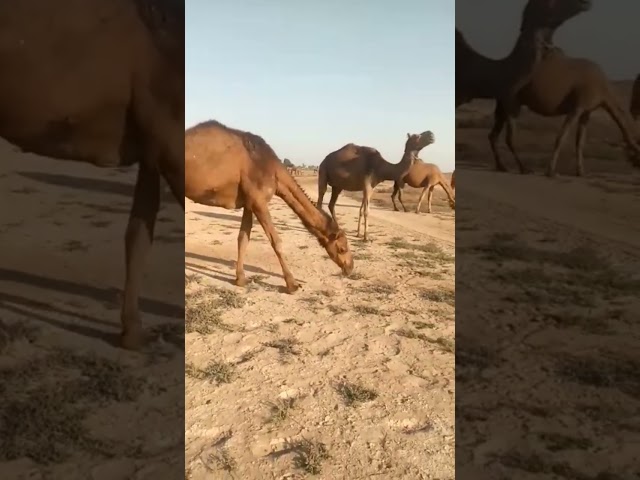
(337, 247)
(551, 13)
(417, 141)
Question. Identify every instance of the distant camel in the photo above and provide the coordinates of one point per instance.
(233, 169)
(573, 87)
(355, 168)
(478, 76)
(634, 107)
(112, 97)
(453, 181)
(426, 176)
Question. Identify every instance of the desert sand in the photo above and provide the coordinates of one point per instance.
(547, 306)
(74, 405)
(349, 378)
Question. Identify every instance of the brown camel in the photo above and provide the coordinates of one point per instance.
(426, 176)
(453, 181)
(100, 82)
(233, 169)
(355, 168)
(573, 87)
(634, 106)
(478, 76)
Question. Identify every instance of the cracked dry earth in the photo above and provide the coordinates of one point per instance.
(349, 378)
(548, 349)
(73, 405)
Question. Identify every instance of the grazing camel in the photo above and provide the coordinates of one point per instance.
(426, 176)
(574, 88)
(100, 82)
(233, 169)
(634, 106)
(356, 168)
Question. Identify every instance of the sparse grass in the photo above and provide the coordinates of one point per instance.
(378, 289)
(220, 459)
(353, 393)
(310, 455)
(280, 409)
(356, 276)
(440, 295)
(216, 372)
(45, 403)
(445, 344)
(286, 346)
(204, 308)
(366, 310)
(14, 332)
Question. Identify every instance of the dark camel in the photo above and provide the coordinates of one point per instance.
(426, 176)
(355, 168)
(233, 169)
(100, 82)
(573, 87)
(634, 106)
(478, 76)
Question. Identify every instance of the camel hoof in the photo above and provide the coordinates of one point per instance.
(241, 282)
(526, 171)
(293, 288)
(501, 168)
(131, 340)
(550, 174)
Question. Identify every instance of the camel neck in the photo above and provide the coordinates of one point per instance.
(394, 171)
(316, 221)
(530, 48)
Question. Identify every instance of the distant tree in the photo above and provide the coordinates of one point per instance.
(287, 163)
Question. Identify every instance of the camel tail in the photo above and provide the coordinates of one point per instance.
(626, 125)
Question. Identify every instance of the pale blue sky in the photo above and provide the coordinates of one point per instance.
(311, 76)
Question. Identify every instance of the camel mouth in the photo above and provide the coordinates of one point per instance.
(347, 270)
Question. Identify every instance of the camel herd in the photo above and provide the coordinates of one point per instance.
(538, 75)
(124, 105)
(232, 169)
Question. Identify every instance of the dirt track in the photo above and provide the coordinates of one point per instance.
(547, 309)
(363, 366)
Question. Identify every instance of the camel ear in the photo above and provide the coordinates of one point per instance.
(408, 136)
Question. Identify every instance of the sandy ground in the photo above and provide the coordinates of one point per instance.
(547, 307)
(347, 378)
(73, 405)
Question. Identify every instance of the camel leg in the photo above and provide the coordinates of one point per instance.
(396, 189)
(430, 197)
(511, 129)
(499, 120)
(264, 217)
(243, 241)
(367, 201)
(564, 130)
(138, 240)
(581, 136)
(449, 191)
(400, 198)
(322, 188)
(424, 191)
(335, 193)
(360, 212)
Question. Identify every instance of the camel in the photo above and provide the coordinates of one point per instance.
(478, 76)
(574, 88)
(453, 181)
(426, 176)
(357, 168)
(100, 82)
(634, 107)
(234, 169)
